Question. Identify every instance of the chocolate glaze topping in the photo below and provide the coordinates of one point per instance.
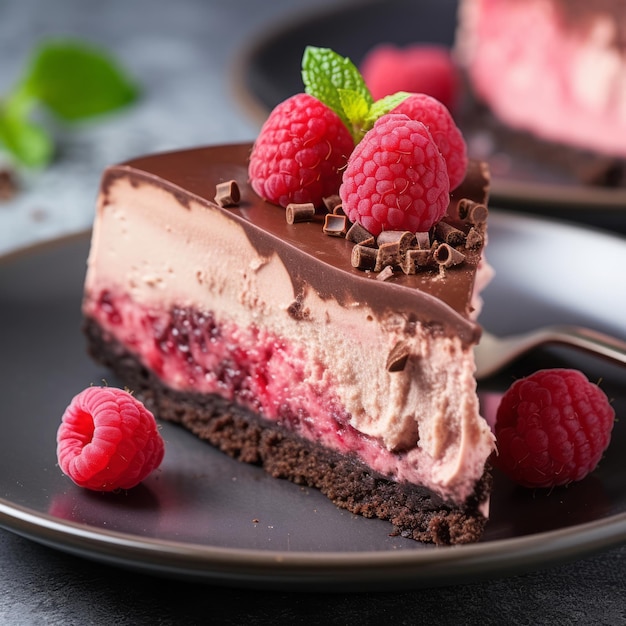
(439, 299)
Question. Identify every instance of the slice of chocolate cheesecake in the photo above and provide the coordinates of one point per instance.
(264, 336)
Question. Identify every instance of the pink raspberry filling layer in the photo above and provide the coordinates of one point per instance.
(192, 351)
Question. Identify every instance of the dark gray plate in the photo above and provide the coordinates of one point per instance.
(206, 517)
(268, 71)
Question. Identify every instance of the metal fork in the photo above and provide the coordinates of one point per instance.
(493, 353)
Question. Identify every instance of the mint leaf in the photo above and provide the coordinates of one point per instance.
(76, 81)
(384, 105)
(28, 142)
(356, 108)
(337, 82)
(325, 74)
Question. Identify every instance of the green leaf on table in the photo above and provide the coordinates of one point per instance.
(27, 141)
(76, 81)
(73, 81)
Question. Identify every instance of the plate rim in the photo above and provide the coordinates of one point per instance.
(426, 566)
(408, 568)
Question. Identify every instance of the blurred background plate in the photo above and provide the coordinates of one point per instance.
(268, 71)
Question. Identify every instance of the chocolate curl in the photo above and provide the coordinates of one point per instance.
(449, 234)
(414, 259)
(357, 234)
(335, 225)
(295, 212)
(363, 257)
(227, 193)
(464, 206)
(388, 254)
(398, 357)
(474, 239)
(422, 240)
(392, 245)
(403, 238)
(473, 212)
(331, 202)
(447, 256)
(385, 274)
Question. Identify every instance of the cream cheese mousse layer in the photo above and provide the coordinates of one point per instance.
(263, 337)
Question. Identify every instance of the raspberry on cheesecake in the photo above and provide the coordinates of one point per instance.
(294, 338)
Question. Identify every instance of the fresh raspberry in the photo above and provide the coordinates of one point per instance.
(300, 152)
(552, 428)
(418, 68)
(108, 440)
(396, 178)
(445, 132)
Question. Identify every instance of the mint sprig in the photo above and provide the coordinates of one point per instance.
(70, 80)
(26, 141)
(337, 82)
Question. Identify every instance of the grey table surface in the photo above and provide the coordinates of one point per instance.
(183, 53)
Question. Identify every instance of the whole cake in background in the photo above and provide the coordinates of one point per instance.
(309, 303)
(555, 69)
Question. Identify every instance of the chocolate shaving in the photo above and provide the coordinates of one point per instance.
(392, 247)
(363, 257)
(414, 259)
(385, 274)
(227, 193)
(388, 254)
(473, 212)
(413, 252)
(474, 238)
(357, 234)
(464, 206)
(449, 234)
(447, 256)
(422, 240)
(403, 238)
(335, 225)
(398, 357)
(331, 202)
(303, 212)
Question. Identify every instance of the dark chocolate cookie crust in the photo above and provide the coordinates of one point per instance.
(415, 512)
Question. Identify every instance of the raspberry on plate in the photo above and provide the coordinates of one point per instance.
(445, 132)
(300, 152)
(108, 440)
(396, 178)
(552, 428)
